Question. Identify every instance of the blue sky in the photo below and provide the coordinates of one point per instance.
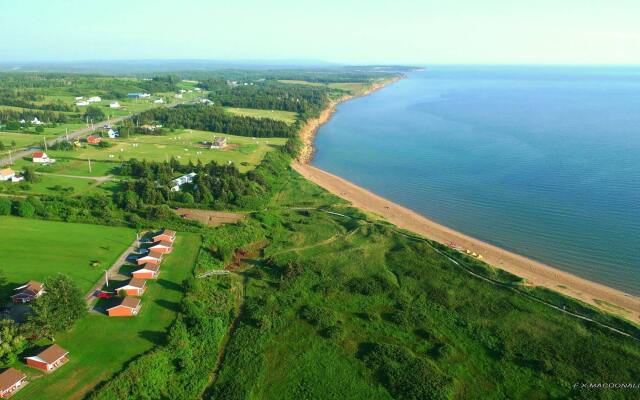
(346, 31)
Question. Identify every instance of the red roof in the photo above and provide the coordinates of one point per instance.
(38, 154)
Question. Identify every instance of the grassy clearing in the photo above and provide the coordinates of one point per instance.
(351, 87)
(286, 116)
(100, 346)
(184, 144)
(35, 249)
(53, 185)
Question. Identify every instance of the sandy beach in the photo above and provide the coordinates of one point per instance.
(534, 272)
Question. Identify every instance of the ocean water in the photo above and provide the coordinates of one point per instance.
(542, 161)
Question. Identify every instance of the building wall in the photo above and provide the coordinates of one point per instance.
(120, 312)
(37, 364)
(143, 275)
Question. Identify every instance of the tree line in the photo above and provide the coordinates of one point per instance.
(216, 119)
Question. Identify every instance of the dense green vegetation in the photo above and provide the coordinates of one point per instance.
(216, 119)
(321, 301)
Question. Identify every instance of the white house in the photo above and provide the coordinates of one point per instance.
(197, 89)
(115, 104)
(178, 95)
(112, 133)
(82, 103)
(145, 95)
(79, 98)
(183, 91)
(36, 121)
(41, 158)
(159, 101)
(206, 101)
(219, 143)
(94, 99)
(176, 183)
(7, 174)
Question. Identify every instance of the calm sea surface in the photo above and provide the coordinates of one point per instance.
(541, 161)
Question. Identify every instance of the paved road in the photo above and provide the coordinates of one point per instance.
(76, 134)
(112, 272)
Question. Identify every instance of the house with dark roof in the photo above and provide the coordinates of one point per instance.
(166, 234)
(148, 271)
(11, 380)
(153, 257)
(162, 246)
(135, 287)
(27, 292)
(128, 307)
(49, 359)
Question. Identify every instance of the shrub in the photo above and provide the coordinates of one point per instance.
(318, 316)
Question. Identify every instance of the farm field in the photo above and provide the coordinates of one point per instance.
(184, 144)
(21, 140)
(352, 87)
(100, 346)
(61, 247)
(286, 116)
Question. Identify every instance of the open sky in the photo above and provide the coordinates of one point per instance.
(345, 31)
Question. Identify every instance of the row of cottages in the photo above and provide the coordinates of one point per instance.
(41, 157)
(149, 269)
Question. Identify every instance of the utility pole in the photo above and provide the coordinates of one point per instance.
(45, 143)
(106, 277)
(89, 160)
(10, 161)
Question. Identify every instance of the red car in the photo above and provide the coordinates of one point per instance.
(104, 295)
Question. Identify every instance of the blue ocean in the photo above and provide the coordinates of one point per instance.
(542, 161)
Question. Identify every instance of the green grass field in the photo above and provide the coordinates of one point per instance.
(286, 116)
(100, 346)
(351, 87)
(35, 249)
(185, 145)
(53, 185)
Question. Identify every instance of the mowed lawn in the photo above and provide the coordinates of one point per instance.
(184, 144)
(33, 249)
(54, 185)
(286, 116)
(100, 346)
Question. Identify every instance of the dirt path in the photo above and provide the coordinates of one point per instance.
(99, 179)
(535, 273)
(225, 341)
(112, 272)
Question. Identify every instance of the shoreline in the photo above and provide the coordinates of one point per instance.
(535, 273)
(308, 132)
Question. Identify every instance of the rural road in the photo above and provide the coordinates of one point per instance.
(76, 134)
(99, 179)
(73, 135)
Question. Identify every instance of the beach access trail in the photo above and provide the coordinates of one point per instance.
(534, 272)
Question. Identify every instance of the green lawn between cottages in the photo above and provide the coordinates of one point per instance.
(100, 346)
(286, 116)
(34, 249)
(184, 144)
